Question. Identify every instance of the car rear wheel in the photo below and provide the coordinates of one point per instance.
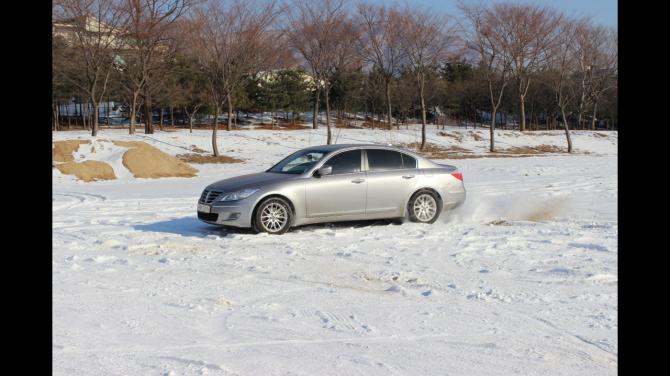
(424, 207)
(273, 216)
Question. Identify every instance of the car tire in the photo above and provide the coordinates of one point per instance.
(424, 206)
(273, 215)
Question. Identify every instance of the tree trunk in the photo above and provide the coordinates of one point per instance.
(67, 115)
(190, 119)
(229, 123)
(388, 101)
(55, 113)
(133, 113)
(315, 121)
(94, 131)
(593, 118)
(172, 116)
(160, 125)
(423, 115)
(522, 113)
(216, 118)
(567, 131)
(328, 118)
(83, 115)
(148, 116)
(493, 126)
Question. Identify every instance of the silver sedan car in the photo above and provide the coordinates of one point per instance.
(333, 183)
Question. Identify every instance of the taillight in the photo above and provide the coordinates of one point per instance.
(458, 176)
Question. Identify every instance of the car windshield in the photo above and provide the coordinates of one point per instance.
(298, 162)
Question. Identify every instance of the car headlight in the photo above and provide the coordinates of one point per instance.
(239, 195)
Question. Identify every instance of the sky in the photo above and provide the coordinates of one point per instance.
(603, 12)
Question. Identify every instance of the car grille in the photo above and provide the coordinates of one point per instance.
(212, 217)
(209, 196)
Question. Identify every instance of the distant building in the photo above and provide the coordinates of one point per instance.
(92, 27)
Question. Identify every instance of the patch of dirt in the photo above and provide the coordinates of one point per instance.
(457, 136)
(499, 222)
(202, 159)
(62, 151)
(545, 211)
(145, 161)
(131, 144)
(197, 149)
(88, 170)
(600, 135)
(476, 136)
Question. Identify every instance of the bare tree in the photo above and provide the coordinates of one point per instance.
(94, 38)
(604, 70)
(426, 41)
(381, 43)
(233, 42)
(562, 65)
(595, 50)
(527, 33)
(484, 38)
(325, 37)
(148, 35)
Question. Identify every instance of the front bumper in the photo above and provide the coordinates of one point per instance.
(234, 214)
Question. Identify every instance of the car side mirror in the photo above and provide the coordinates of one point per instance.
(325, 170)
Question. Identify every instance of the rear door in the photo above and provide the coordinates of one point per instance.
(340, 193)
(391, 179)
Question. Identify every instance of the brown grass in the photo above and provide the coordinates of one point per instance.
(88, 170)
(346, 124)
(202, 159)
(541, 149)
(434, 151)
(281, 126)
(145, 161)
(62, 151)
(376, 125)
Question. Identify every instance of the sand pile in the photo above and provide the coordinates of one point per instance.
(201, 159)
(145, 161)
(62, 151)
(88, 170)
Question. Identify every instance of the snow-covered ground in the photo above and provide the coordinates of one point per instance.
(520, 280)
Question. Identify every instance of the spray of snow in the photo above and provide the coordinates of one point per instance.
(517, 207)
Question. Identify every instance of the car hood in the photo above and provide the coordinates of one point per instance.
(257, 180)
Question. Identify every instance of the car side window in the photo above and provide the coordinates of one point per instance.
(379, 159)
(345, 163)
(408, 161)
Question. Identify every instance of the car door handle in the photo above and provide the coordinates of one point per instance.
(408, 176)
(358, 181)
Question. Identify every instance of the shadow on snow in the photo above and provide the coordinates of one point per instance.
(191, 226)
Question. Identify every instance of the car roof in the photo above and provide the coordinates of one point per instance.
(335, 147)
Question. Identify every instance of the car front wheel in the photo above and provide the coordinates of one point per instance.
(273, 216)
(424, 207)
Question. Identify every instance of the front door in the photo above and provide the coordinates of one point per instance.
(340, 193)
